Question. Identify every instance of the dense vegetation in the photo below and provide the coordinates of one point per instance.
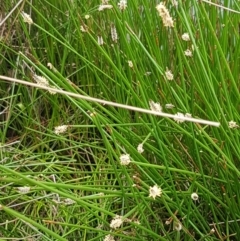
(76, 169)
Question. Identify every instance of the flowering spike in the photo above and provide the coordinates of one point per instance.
(164, 14)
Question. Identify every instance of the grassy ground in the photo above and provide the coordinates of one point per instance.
(71, 183)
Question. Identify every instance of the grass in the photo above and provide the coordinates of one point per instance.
(74, 182)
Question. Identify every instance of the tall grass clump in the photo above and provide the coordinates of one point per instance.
(74, 169)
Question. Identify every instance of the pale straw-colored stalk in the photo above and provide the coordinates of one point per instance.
(110, 103)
